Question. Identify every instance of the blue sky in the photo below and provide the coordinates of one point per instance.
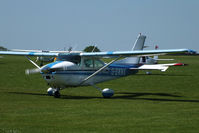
(109, 24)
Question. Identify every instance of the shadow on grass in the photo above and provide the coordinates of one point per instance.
(177, 75)
(124, 95)
(28, 93)
(134, 94)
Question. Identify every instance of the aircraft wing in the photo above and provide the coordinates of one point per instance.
(45, 51)
(135, 53)
(29, 53)
(103, 54)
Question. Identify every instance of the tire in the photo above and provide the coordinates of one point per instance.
(57, 94)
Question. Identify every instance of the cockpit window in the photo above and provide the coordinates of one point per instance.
(98, 63)
(72, 58)
(93, 63)
(88, 63)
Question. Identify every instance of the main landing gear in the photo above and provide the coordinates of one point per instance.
(106, 93)
(54, 92)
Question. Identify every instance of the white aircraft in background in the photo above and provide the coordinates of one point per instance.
(147, 60)
(154, 60)
(87, 69)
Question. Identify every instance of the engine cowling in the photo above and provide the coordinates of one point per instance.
(58, 65)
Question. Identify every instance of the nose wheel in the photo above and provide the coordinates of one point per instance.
(57, 94)
(54, 92)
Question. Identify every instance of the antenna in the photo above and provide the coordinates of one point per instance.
(94, 48)
(70, 49)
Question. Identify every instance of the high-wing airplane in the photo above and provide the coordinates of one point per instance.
(87, 69)
(155, 59)
(139, 45)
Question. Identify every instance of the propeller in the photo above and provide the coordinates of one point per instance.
(48, 68)
(44, 69)
(32, 71)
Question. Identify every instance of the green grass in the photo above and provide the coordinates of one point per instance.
(162, 102)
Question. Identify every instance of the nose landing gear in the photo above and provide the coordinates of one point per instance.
(54, 92)
(57, 94)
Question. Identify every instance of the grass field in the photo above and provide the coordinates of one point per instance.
(159, 103)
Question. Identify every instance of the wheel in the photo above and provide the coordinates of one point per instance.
(107, 93)
(57, 94)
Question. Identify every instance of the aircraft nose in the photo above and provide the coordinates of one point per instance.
(45, 69)
(59, 65)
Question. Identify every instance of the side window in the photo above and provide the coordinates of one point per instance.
(98, 63)
(88, 63)
(93, 63)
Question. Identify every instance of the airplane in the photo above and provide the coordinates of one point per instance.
(154, 60)
(87, 68)
(139, 45)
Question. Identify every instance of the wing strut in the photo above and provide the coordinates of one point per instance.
(32, 71)
(95, 73)
(33, 62)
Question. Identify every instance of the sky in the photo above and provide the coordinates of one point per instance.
(112, 25)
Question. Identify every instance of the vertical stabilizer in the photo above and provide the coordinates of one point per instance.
(138, 45)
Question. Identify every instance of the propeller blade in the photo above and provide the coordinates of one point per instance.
(32, 71)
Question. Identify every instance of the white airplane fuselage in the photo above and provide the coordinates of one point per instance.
(72, 74)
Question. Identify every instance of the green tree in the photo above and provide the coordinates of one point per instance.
(91, 49)
(3, 49)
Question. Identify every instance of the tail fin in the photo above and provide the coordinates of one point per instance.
(156, 56)
(138, 45)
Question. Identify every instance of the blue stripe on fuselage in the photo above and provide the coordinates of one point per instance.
(52, 64)
(111, 71)
(127, 66)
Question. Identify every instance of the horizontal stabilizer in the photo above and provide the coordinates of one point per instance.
(161, 67)
(152, 67)
(164, 59)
